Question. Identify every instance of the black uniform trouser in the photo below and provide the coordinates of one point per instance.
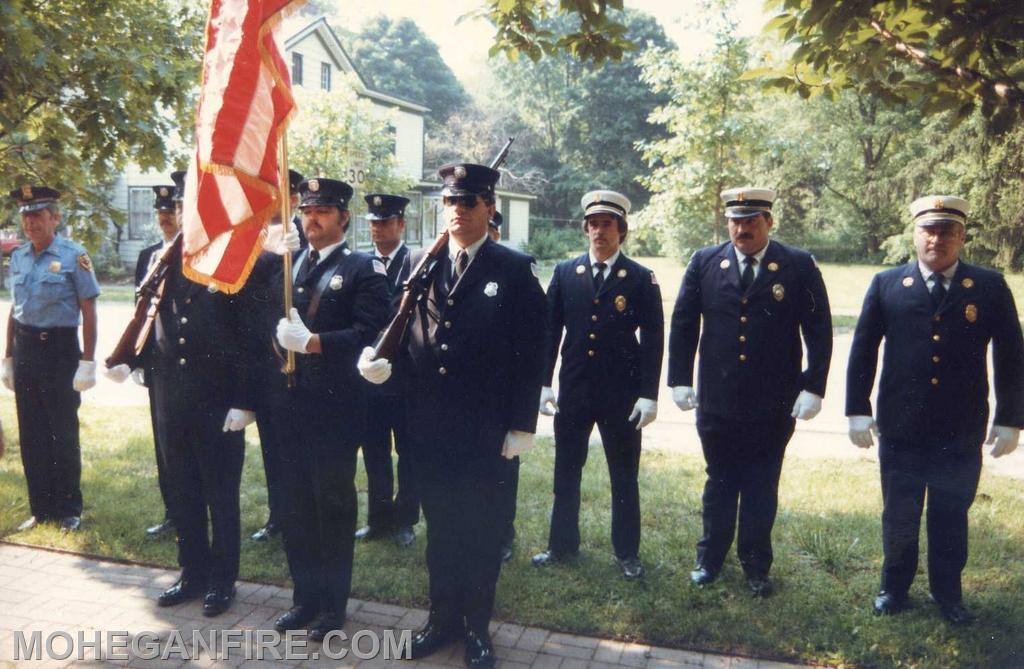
(509, 485)
(161, 474)
(621, 441)
(318, 472)
(949, 475)
(386, 418)
(461, 499)
(271, 425)
(204, 470)
(744, 462)
(45, 362)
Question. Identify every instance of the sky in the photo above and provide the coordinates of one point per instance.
(464, 46)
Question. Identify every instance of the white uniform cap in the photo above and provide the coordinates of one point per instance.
(747, 201)
(605, 201)
(938, 209)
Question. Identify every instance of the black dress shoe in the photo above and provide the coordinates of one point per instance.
(632, 568)
(550, 557)
(70, 523)
(218, 599)
(955, 613)
(160, 528)
(28, 524)
(405, 535)
(324, 625)
(431, 638)
(506, 552)
(759, 586)
(369, 533)
(185, 589)
(703, 576)
(889, 603)
(479, 652)
(296, 618)
(266, 532)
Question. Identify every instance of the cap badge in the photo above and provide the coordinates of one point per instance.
(621, 274)
(596, 198)
(314, 185)
(164, 192)
(26, 192)
(773, 267)
(971, 313)
(741, 196)
(968, 282)
(908, 281)
(459, 172)
(580, 269)
(491, 289)
(940, 203)
(724, 264)
(778, 292)
(620, 303)
(377, 201)
(337, 281)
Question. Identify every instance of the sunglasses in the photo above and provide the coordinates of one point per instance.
(467, 201)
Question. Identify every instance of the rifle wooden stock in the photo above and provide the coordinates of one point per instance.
(148, 297)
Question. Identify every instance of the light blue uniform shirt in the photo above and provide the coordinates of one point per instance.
(48, 287)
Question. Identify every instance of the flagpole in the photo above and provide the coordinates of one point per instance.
(286, 221)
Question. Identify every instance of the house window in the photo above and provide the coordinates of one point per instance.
(140, 213)
(325, 76)
(414, 219)
(392, 139)
(297, 69)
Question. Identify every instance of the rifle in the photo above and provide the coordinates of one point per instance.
(418, 283)
(147, 302)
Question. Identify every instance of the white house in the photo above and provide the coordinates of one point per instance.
(319, 61)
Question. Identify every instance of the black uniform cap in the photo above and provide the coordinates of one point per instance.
(381, 206)
(294, 179)
(319, 192)
(468, 179)
(179, 185)
(496, 220)
(164, 198)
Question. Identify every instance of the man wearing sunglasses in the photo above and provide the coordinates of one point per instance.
(473, 359)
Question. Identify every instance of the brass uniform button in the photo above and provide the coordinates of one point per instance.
(451, 302)
(301, 289)
(935, 358)
(182, 362)
(594, 318)
(591, 353)
(743, 338)
(442, 371)
(597, 301)
(181, 340)
(743, 358)
(936, 337)
(743, 319)
(743, 300)
(935, 381)
(184, 320)
(447, 324)
(444, 347)
(593, 336)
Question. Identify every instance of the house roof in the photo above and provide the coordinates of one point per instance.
(298, 32)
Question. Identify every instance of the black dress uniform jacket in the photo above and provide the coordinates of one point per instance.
(935, 379)
(473, 361)
(750, 350)
(601, 346)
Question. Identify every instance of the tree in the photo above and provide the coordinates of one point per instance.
(398, 58)
(581, 121)
(950, 55)
(710, 137)
(87, 85)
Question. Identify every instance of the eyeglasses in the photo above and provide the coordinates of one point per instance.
(467, 201)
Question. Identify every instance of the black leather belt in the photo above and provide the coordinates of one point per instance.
(44, 334)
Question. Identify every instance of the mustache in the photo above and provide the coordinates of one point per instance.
(744, 235)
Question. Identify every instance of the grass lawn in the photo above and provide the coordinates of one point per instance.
(828, 554)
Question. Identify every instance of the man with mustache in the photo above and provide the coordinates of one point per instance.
(937, 315)
(755, 297)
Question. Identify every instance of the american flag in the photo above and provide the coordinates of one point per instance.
(245, 103)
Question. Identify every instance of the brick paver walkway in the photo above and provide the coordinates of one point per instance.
(51, 592)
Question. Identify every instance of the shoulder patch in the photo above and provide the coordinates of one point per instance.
(84, 262)
(378, 266)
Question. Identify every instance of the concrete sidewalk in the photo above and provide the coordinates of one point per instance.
(49, 591)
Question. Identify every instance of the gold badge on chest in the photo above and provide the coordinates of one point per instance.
(968, 282)
(620, 303)
(580, 269)
(54, 266)
(908, 281)
(971, 313)
(778, 292)
(336, 282)
(773, 267)
(724, 264)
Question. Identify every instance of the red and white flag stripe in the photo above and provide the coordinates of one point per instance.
(245, 103)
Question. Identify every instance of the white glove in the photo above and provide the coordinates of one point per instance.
(8, 374)
(684, 397)
(279, 242)
(807, 405)
(237, 419)
(516, 443)
(646, 411)
(85, 377)
(292, 333)
(548, 403)
(1004, 438)
(375, 371)
(139, 376)
(118, 373)
(861, 428)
